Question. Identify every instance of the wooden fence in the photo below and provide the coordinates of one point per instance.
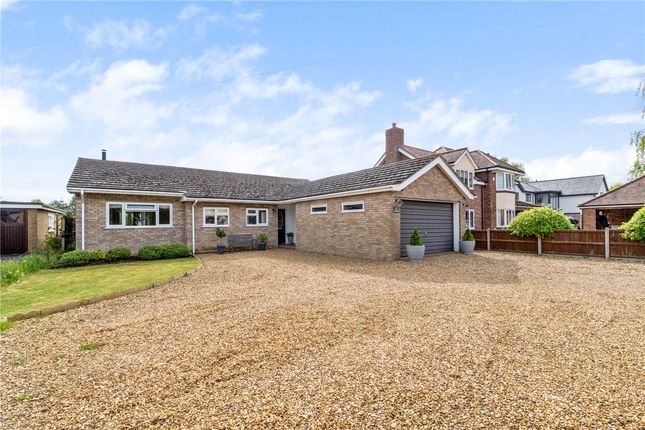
(599, 243)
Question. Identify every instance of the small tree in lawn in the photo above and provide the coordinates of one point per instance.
(539, 222)
(634, 229)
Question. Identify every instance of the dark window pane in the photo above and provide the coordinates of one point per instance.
(115, 214)
(263, 217)
(353, 207)
(140, 218)
(251, 219)
(319, 209)
(164, 215)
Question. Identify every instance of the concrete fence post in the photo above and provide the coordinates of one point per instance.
(607, 243)
(539, 246)
(488, 239)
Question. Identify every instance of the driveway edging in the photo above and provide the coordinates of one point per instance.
(49, 310)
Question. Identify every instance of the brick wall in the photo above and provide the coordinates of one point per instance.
(38, 227)
(488, 200)
(476, 205)
(97, 236)
(588, 219)
(367, 234)
(394, 138)
(205, 238)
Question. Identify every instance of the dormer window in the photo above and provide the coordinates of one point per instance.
(505, 181)
(466, 177)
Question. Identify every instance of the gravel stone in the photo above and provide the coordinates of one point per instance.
(287, 339)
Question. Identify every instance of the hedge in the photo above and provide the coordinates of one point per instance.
(165, 251)
(119, 253)
(634, 229)
(539, 222)
(79, 258)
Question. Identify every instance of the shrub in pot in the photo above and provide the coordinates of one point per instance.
(467, 242)
(290, 237)
(263, 238)
(221, 234)
(415, 248)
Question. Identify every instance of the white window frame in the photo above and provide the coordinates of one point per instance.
(228, 216)
(319, 212)
(467, 177)
(123, 211)
(343, 204)
(470, 219)
(51, 222)
(507, 216)
(507, 182)
(257, 215)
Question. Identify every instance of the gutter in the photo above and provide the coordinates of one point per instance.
(82, 219)
(193, 225)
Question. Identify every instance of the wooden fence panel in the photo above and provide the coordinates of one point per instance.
(577, 242)
(503, 240)
(621, 247)
(480, 239)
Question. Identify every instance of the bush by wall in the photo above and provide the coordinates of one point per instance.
(539, 222)
(79, 258)
(634, 229)
(119, 253)
(158, 252)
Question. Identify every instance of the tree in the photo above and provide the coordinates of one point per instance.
(539, 222)
(616, 185)
(517, 165)
(634, 229)
(68, 207)
(638, 141)
(37, 201)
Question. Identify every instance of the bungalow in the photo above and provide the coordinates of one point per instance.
(369, 213)
(616, 206)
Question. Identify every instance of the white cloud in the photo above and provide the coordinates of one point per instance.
(617, 119)
(7, 4)
(447, 122)
(118, 97)
(124, 34)
(190, 11)
(216, 64)
(609, 76)
(413, 84)
(614, 163)
(22, 122)
(253, 16)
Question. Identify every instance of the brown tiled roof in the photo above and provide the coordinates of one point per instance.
(630, 194)
(417, 152)
(199, 183)
(486, 161)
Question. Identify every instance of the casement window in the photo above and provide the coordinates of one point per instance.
(318, 209)
(505, 181)
(352, 207)
(529, 198)
(51, 222)
(132, 215)
(504, 217)
(466, 177)
(470, 219)
(257, 217)
(216, 217)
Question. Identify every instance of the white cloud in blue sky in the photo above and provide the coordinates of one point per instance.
(306, 90)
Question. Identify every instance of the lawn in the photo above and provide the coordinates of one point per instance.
(55, 287)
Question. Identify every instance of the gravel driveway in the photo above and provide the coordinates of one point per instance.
(285, 339)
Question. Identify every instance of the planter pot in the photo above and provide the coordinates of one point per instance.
(221, 249)
(416, 252)
(467, 246)
(289, 240)
(262, 246)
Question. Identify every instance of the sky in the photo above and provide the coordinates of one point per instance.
(307, 89)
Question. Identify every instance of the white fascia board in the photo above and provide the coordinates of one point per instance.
(407, 154)
(30, 206)
(627, 205)
(215, 200)
(342, 194)
(440, 162)
(498, 169)
(380, 160)
(128, 192)
(478, 182)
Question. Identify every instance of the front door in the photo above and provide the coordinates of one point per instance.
(281, 232)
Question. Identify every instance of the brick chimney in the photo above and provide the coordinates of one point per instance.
(393, 140)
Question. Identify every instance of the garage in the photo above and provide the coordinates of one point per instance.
(434, 222)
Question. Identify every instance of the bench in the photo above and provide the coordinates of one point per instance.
(240, 241)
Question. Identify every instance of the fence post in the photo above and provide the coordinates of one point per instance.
(606, 243)
(539, 246)
(488, 239)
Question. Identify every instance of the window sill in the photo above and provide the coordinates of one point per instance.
(257, 225)
(130, 227)
(214, 226)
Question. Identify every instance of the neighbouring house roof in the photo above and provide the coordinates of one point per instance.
(519, 204)
(486, 161)
(630, 194)
(416, 152)
(4, 204)
(569, 186)
(109, 175)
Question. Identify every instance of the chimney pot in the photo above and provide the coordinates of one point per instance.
(103, 154)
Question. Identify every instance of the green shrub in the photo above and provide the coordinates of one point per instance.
(415, 238)
(150, 252)
(52, 245)
(76, 258)
(119, 253)
(10, 272)
(174, 250)
(34, 262)
(263, 238)
(539, 222)
(468, 235)
(97, 255)
(634, 229)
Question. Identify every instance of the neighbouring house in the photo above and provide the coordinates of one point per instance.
(617, 205)
(564, 194)
(370, 213)
(490, 179)
(25, 225)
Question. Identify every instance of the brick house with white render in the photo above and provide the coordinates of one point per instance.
(490, 179)
(368, 213)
